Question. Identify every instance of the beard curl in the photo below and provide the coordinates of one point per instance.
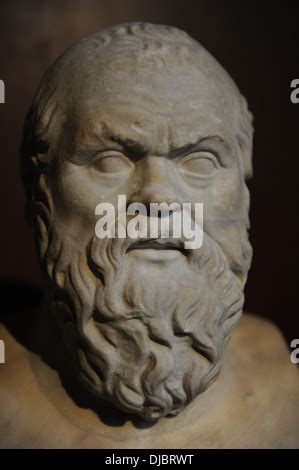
(147, 354)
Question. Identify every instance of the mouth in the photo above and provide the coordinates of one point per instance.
(158, 248)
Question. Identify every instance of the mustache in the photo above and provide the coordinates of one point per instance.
(110, 253)
(173, 224)
(158, 243)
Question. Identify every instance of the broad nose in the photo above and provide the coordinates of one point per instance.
(158, 183)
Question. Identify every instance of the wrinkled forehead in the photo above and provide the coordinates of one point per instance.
(178, 104)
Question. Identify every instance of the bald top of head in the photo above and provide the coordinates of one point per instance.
(151, 61)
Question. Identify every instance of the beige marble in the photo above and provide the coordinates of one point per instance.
(253, 403)
(144, 113)
(137, 329)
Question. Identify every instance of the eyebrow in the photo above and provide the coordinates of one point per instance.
(96, 144)
(209, 142)
(136, 150)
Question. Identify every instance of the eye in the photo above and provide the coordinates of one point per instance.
(112, 162)
(199, 163)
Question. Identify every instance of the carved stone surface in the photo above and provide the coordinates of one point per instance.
(144, 111)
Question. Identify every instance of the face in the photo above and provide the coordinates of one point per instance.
(147, 325)
(143, 143)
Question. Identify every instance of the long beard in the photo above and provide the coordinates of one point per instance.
(147, 338)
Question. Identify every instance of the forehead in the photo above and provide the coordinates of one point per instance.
(175, 106)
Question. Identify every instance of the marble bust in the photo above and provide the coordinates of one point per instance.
(142, 326)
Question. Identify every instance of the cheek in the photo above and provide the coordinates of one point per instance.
(227, 196)
(77, 190)
(224, 198)
(225, 206)
(225, 217)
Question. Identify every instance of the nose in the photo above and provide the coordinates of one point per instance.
(158, 183)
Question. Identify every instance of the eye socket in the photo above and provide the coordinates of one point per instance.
(112, 161)
(199, 163)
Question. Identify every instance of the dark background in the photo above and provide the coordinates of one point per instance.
(257, 45)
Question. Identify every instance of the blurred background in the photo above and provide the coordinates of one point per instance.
(257, 45)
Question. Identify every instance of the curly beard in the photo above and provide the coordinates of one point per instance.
(146, 336)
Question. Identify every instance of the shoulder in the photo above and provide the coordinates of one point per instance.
(267, 380)
(262, 347)
(28, 418)
(261, 335)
